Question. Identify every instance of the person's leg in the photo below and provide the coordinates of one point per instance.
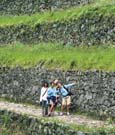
(53, 104)
(51, 109)
(49, 105)
(68, 104)
(46, 108)
(56, 102)
(63, 106)
(43, 107)
(68, 108)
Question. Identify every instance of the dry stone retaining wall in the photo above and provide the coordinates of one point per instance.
(96, 92)
(16, 7)
(87, 30)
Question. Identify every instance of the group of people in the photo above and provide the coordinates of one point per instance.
(50, 96)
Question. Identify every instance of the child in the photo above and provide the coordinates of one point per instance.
(43, 98)
(51, 98)
(66, 97)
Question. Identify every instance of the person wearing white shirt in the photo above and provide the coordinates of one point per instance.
(43, 98)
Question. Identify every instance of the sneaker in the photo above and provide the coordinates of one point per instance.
(61, 113)
(68, 113)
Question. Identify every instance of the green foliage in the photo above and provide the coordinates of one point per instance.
(105, 7)
(58, 56)
(6, 120)
(20, 124)
(8, 131)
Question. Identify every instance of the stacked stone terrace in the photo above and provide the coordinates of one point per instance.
(92, 27)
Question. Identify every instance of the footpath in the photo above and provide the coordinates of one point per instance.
(36, 112)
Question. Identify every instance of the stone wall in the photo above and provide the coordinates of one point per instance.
(96, 92)
(32, 6)
(87, 30)
(33, 126)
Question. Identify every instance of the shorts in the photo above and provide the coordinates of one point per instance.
(52, 99)
(66, 100)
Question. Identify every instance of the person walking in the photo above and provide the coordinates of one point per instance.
(51, 98)
(66, 96)
(43, 98)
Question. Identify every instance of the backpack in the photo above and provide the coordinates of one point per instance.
(69, 92)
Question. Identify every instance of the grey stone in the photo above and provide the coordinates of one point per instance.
(72, 32)
(30, 6)
(24, 85)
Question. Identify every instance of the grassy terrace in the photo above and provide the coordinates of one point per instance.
(12, 129)
(105, 7)
(8, 131)
(57, 56)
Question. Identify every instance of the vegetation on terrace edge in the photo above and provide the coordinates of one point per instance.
(8, 131)
(100, 7)
(84, 128)
(55, 55)
(106, 130)
(8, 127)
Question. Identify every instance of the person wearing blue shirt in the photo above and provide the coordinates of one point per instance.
(66, 98)
(51, 96)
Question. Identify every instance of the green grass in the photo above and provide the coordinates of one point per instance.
(13, 129)
(105, 7)
(104, 130)
(108, 129)
(8, 131)
(54, 56)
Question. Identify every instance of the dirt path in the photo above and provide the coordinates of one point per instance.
(33, 111)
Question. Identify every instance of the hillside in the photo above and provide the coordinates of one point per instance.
(68, 40)
(91, 24)
(52, 36)
(57, 56)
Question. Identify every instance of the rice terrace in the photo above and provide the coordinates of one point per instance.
(57, 67)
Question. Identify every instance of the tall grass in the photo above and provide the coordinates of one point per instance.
(57, 56)
(105, 7)
(8, 131)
